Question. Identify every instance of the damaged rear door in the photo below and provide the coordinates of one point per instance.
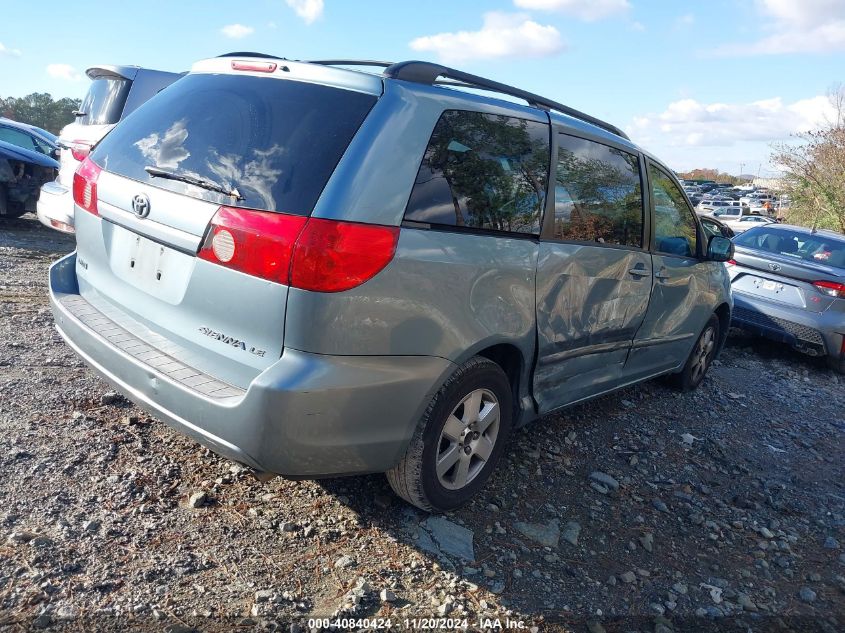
(593, 275)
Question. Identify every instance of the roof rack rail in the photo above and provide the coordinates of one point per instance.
(428, 73)
(351, 62)
(249, 54)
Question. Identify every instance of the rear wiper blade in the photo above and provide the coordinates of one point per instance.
(158, 172)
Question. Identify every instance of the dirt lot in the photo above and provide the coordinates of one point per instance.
(645, 510)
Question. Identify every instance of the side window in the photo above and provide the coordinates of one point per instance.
(483, 171)
(674, 226)
(598, 195)
(16, 137)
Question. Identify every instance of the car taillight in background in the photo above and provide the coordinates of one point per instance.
(308, 253)
(80, 150)
(830, 288)
(730, 262)
(85, 186)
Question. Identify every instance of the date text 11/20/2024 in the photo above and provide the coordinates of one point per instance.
(488, 624)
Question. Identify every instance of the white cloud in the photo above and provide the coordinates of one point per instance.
(237, 31)
(308, 10)
(637, 26)
(694, 124)
(803, 13)
(9, 52)
(64, 71)
(588, 10)
(501, 35)
(727, 136)
(805, 26)
(684, 21)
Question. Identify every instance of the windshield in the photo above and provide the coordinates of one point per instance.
(818, 248)
(274, 141)
(104, 102)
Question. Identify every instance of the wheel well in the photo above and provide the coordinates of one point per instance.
(724, 314)
(509, 358)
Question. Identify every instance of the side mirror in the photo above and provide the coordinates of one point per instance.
(720, 249)
(57, 153)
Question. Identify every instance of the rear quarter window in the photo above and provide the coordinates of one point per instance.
(275, 141)
(104, 101)
(483, 171)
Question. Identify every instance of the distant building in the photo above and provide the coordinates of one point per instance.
(769, 183)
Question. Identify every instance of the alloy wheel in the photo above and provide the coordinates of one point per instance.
(468, 439)
(703, 353)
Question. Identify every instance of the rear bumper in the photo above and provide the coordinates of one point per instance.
(818, 333)
(55, 207)
(307, 415)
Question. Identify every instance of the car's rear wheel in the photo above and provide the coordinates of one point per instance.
(701, 357)
(836, 364)
(459, 440)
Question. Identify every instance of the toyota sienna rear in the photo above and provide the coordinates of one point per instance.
(316, 271)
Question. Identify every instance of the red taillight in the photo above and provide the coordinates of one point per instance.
(730, 262)
(258, 67)
(80, 150)
(311, 254)
(830, 288)
(331, 256)
(257, 243)
(85, 186)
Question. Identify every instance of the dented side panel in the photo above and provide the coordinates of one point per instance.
(589, 307)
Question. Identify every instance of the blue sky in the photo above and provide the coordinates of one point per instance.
(707, 83)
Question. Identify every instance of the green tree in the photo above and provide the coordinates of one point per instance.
(814, 171)
(41, 110)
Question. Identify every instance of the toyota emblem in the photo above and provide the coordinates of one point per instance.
(774, 267)
(141, 205)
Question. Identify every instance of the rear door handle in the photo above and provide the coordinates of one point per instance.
(638, 272)
(661, 275)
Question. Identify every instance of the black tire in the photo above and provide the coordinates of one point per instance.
(704, 350)
(415, 478)
(836, 364)
(9, 210)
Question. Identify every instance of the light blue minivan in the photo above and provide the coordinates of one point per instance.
(318, 271)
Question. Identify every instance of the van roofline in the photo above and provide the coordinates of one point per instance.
(429, 73)
(128, 72)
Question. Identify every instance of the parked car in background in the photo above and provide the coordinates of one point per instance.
(29, 137)
(746, 222)
(711, 205)
(335, 272)
(22, 172)
(788, 284)
(114, 93)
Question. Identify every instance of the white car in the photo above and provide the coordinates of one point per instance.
(747, 222)
(115, 91)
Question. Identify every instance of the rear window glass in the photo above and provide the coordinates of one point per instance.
(103, 104)
(483, 171)
(818, 248)
(275, 142)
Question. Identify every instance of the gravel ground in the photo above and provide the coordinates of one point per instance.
(645, 510)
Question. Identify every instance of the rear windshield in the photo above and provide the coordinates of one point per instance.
(818, 248)
(275, 142)
(104, 102)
